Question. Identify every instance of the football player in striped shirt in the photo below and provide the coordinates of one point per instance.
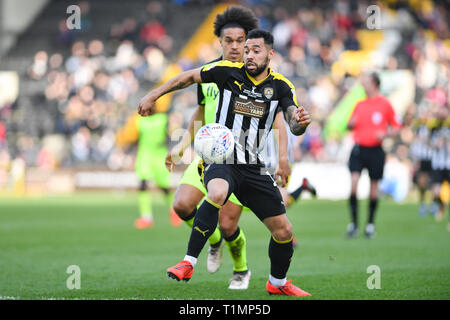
(440, 163)
(231, 27)
(250, 97)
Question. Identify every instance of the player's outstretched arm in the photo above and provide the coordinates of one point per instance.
(298, 119)
(181, 81)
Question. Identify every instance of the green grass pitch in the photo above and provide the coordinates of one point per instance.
(40, 238)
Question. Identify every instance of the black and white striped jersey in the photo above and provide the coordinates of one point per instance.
(440, 143)
(421, 148)
(248, 107)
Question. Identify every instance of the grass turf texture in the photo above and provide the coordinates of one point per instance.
(40, 238)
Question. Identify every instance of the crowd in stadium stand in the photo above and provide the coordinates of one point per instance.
(95, 89)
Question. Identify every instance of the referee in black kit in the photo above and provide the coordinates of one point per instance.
(250, 96)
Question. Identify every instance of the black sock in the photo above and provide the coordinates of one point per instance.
(296, 193)
(205, 222)
(190, 216)
(233, 236)
(143, 185)
(280, 255)
(354, 209)
(372, 208)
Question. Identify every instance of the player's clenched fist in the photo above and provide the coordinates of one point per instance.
(147, 105)
(302, 117)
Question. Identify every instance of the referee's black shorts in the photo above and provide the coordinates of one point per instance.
(371, 158)
(253, 187)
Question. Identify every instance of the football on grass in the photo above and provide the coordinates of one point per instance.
(214, 143)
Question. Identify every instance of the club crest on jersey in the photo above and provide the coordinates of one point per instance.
(377, 117)
(268, 92)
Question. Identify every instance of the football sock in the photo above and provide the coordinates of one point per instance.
(205, 223)
(354, 209)
(145, 204)
(168, 194)
(280, 254)
(296, 193)
(277, 282)
(189, 220)
(214, 239)
(191, 259)
(373, 203)
(237, 245)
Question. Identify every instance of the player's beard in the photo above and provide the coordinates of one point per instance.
(259, 68)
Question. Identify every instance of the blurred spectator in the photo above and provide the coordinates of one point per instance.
(39, 67)
(152, 32)
(90, 92)
(2, 135)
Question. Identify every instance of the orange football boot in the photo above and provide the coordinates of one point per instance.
(182, 271)
(143, 223)
(288, 289)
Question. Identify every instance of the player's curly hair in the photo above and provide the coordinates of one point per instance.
(235, 16)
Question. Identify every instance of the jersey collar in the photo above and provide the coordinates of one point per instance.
(256, 82)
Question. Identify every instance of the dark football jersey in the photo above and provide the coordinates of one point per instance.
(248, 107)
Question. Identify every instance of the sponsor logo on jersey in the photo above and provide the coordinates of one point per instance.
(249, 108)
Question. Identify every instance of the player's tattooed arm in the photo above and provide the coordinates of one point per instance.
(298, 119)
(181, 81)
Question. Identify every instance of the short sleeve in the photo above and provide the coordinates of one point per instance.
(288, 96)
(393, 121)
(218, 72)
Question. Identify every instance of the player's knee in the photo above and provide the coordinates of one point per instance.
(283, 233)
(183, 207)
(217, 196)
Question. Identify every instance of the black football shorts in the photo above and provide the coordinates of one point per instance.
(371, 158)
(253, 187)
